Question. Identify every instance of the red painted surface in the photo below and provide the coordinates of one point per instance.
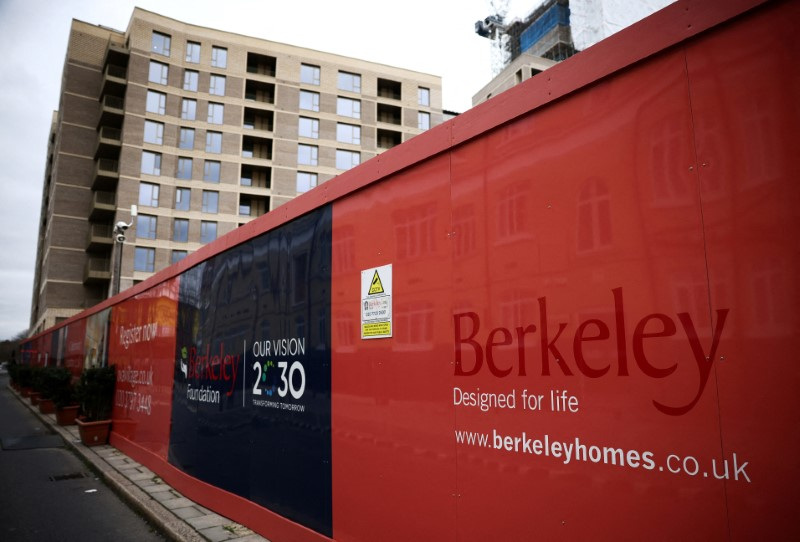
(608, 253)
(142, 346)
(392, 425)
(744, 89)
(75, 335)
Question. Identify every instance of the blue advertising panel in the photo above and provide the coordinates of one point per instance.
(251, 409)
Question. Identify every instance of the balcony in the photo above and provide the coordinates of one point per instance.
(261, 64)
(97, 269)
(259, 93)
(106, 174)
(100, 238)
(258, 120)
(388, 138)
(114, 80)
(390, 114)
(389, 89)
(116, 53)
(255, 179)
(258, 148)
(253, 206)
(109, 142)
(104, 205)
(112, 110)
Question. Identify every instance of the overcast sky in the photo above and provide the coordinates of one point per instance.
(435, 37)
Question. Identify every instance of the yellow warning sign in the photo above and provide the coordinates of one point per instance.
(376, 287)
(376, 302)
(376, 329)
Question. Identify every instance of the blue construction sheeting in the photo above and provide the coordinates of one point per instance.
(556, 15)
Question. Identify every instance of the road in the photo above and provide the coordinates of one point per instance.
(48, 494)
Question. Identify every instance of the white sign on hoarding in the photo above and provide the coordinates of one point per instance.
(376, 302)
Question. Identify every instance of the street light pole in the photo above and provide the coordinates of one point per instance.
(118, 263)
(119, 241)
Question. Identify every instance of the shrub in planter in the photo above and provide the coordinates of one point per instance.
(64, 397)
(37, 378)
(13, 372)
(37, 374)
(57, 385)
(56, 389)
(25, 379)
(95, 393)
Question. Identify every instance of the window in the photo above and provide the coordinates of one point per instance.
(216, 85)
(156, 102)
(349, 81)
(161, 43)
(182, 199)
(208, 231)
(184, 168)
(307, 155)
(219, 57)
(423, 120)
(178, 255)
(144, 259)
(347, 107)
(424, 96)
(154, 132)
(151, 163)
(309, 74)
(306, 181)
(188, 109)
(347, 159)
(244, 207)
(187, 139)
(159, 73)
(309, 100)
(148, 194)
(146, 227)
(348, 133)
(180, 230)
(210, 201)
(211, 170)
(308, 127)
(214, 142)
(190, 78)
(192, 52)
(216, 113)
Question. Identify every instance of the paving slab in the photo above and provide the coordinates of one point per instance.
(178, 517)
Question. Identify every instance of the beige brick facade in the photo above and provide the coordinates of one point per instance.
(108, 150)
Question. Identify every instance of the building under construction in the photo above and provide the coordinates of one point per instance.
(554, 31)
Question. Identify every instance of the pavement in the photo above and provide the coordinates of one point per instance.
(178, 517)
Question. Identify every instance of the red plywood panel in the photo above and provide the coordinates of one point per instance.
(392, 451)
(142, 346)
(744, 90)
(581, 308)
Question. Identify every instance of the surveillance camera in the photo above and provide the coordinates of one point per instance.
(122, 226)
(120, 238)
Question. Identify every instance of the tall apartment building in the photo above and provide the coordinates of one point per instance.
(203, 130)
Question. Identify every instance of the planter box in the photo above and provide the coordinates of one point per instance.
(46, 406)
(94, 433)
(35, 396)
(66, 415)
